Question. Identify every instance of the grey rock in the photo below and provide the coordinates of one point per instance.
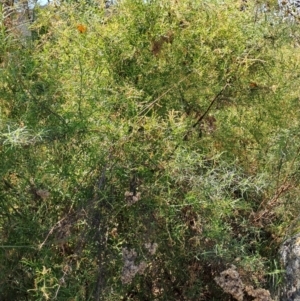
(290, 259)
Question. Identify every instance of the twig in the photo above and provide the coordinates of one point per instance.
(35, 100)
(205, 113)
(266, 211)
(148, 107)
(50, 232)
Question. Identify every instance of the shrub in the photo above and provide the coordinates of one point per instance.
(145, 148)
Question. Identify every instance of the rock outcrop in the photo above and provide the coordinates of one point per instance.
(290, 257)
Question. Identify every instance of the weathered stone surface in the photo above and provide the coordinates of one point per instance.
(290, 257)
(289, 8)
(232, 284)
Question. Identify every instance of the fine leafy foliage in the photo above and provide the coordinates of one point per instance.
(145, 148)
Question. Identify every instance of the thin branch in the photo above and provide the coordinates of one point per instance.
(206, 112)
(57, 225)
(150, 105)
(41, 104)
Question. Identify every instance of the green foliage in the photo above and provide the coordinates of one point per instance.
(145, 148)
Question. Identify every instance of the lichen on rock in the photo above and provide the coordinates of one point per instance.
(231, 282)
